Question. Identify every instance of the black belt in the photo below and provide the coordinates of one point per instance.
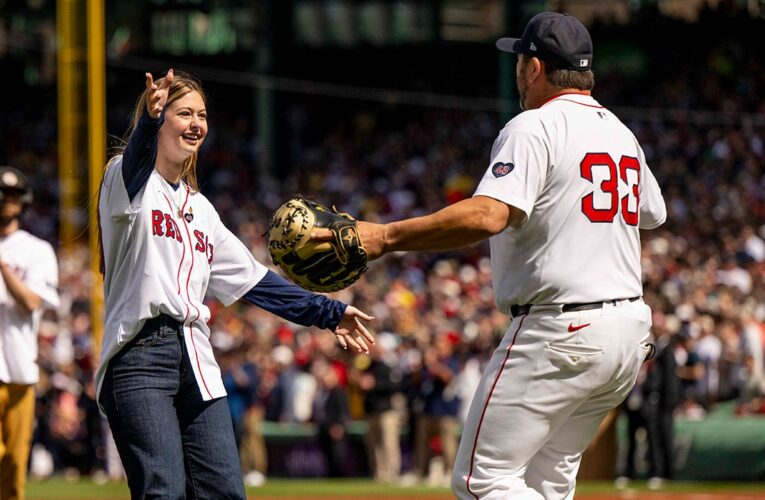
(523, 309)
(158, 322)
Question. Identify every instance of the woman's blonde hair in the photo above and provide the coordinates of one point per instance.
(182, 84)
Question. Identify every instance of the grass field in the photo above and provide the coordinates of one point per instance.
(304, 489)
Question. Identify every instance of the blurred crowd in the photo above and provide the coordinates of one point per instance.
(436, 324)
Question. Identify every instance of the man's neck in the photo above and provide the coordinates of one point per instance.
(8, 229)
(550, 92)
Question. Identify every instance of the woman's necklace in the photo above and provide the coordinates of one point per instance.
(174, 195)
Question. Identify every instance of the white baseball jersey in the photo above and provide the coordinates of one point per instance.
(162, 252)
(34, 261)
(581, 178)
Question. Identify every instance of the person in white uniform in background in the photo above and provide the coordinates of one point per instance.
(28, 285)
(165, 247)
(565, 195)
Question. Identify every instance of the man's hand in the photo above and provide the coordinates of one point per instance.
(458, 225)
(326, 265)
(371, 237)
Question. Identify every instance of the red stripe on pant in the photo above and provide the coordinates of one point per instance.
(486, 405)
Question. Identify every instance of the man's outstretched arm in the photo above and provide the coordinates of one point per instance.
(461, 224)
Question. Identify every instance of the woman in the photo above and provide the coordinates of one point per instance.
(164, 247)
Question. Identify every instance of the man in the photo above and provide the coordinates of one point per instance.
(440, 404)
(565, 194)
(29, 277)
(381, 382)
(331, 415)
(662, 393)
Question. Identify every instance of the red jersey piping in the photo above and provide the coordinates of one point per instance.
(556, 96)
(486, 405)
(188, 280)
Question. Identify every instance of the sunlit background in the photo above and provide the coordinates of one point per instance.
(388, 109)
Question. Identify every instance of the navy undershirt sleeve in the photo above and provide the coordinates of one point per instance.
(277, 295)
(141, 153)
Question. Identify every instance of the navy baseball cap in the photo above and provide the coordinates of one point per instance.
(554, 36)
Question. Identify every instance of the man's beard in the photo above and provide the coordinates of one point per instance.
(521, 94)
(6, 220)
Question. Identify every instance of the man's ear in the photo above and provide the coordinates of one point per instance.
(536, 68)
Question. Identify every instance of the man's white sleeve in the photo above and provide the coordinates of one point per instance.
(653, 211)
(518, 168)
(42, 277)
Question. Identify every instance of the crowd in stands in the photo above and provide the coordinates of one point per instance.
(704, 275)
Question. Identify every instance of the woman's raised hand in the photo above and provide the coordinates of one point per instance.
(157, 93)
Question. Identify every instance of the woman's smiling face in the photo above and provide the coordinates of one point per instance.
(184, 129)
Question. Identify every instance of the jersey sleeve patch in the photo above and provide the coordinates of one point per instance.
(501, 169)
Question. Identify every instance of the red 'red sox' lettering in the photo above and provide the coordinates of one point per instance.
(163, 224)
(203, 245)
(156, 222)
(172, 229)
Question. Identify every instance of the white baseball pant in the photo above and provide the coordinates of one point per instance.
(542, 397)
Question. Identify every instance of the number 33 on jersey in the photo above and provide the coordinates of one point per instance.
(579, 175)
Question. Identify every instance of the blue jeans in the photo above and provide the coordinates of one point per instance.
(172, 444)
